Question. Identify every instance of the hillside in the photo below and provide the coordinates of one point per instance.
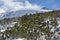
(33, 26)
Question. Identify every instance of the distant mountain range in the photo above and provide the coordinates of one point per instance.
(20, 13)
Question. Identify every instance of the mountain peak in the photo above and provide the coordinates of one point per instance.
(45, 8)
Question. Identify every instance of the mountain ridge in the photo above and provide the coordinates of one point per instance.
(18, 13)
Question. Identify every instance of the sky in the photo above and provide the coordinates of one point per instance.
(13, 5)
(50, 4)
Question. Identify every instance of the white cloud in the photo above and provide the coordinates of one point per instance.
(31, 6)
(2, 11)
(10, 4)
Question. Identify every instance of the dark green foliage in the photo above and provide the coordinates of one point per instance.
(32, 25)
